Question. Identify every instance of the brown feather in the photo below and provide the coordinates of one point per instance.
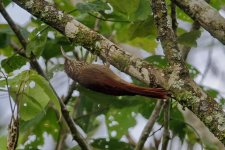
(101, 79)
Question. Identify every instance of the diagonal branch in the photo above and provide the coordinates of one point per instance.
(206, 16)
(149, 125)
(187, 93)
(92, 41)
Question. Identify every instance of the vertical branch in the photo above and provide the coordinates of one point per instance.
(166, 133)
(174, 17)
(148, 127)
(13, 129)
(34, 64)
(165, 32)
(195, 26)
(72, 87)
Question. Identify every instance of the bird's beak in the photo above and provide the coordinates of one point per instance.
(64, 54)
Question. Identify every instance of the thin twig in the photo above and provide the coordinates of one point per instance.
(174, 17)
(148, 127)
(154, 132)
(61, 137)
(166, 133)
(91, 113)
(72, 87)
(130, 139)
(103, 19)
(7, 86)
(17, 49)
(97, 23)
(35, 65)
(13, 130)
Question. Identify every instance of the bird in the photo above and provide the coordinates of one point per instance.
(100, 78)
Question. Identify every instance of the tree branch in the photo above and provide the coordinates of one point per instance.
(166, 133)
(187, 93)
(148, 127)
(206, 16)
(72, 87)
(93, 41)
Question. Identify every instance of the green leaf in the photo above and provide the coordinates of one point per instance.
(157, 60)
(97, 97)
(148, 44)
(93, 104)
(12, 63)
(4, 40)
(142, 28)
(123, 34)
(56, 68)
(218, 4)
(30, 107)
(210, 146)
(111, 144)
(35, 93)
(212, 92)
(5, 29)
(44, 122)
(194, 72)
(47, 89)
(222, 101)
(94, 6)
(189, 38)
(143, 11)
(177, 122)
(192, 137)
(146, 108)
(64, 5)
(37, 41)
(109, 100)
(3, 143)
(6, 2)
(52, 48)
(90, 103)
(183, 16)
(125, 6)
(135, 10)
(116, 125)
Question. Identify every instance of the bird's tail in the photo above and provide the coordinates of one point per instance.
(149, 92)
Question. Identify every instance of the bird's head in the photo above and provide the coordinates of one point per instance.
(72, 67)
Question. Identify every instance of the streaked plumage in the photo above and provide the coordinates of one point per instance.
(101, 79)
